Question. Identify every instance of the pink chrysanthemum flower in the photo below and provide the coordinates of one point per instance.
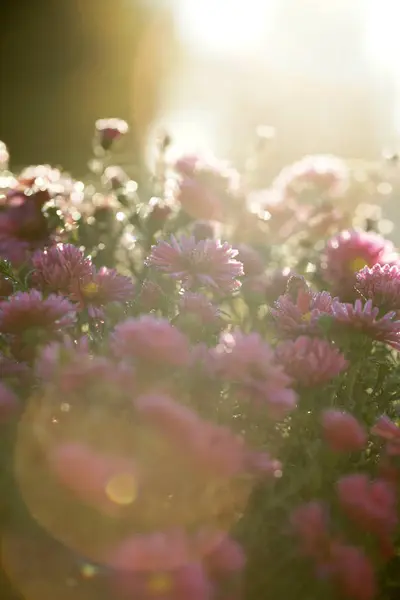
(208, 263)
(371, 505)
(352, 572)
(294, 317)
(314, 177)
(197, 310)
(101, 288)
(204, 186)
(349, 252)
(342, 431)
(381, 284)
(109, 130)
(151, 340)
(26, 311)
(310, 361)
(390, 432)
(58, 267)
(248, 362)
(310, 523)
(364, 318)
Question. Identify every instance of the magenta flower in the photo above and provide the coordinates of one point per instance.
(371, 505)
(364, 318)
(310, 524)
(349, 252)
(57, 268)
(208, 263)
(8, 403)
(152, 340)
(249, 363)
(214, 448)
(342, 431)
(310, 361)
(25, 311)
(93, 477)
(109, 130)
(390, 432)
(381, 284)
(225, 557)
(295, 317)
(101, 288)
(353, 572)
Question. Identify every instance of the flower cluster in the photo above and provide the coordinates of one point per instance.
(195, 373)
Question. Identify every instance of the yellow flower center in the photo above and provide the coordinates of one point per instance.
(357, 264)
(306, 318)
(90, 289)
(160, 583)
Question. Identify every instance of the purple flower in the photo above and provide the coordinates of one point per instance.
(109, 130)
(381, 284)
(293, 317)
(350, 251)
(101, 288)
(25, 311)
(58, 267)
(197, 310)
(310, 361)
(248, 362)
(208, 263)
(342, 431)
(152, 340)
(364, 318)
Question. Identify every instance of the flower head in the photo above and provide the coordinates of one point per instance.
(350, 251)
(204, 187)
(249, 363)
(58, 267)
(208, 263)
(364, 318)
(310, 523)
(353, 572)
(151, 340)
(310, 361)
(381, 284)
(390, 432)
(25, 311)
(301, 315)
(342, 431)
(109, 130)
(371, 505)
(101, 288)
(196, 310)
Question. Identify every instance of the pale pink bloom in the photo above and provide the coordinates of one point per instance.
(152, 340)
(364, 318)
(89, 475)
(58, 267)
(252, 261)
(310, 524)
(61, 352)
(317, 177)
(381, 284)
(30, 310)
(349, 252)
(8, 403)
(208, 263)
(109, 130)
(310, 361)
(249, 363)
(205, 186)
(151, 295)
(371, 505)
(353, 573)
(226, 557)
(301, 315)
(390, 432)
(198, 308)
(342, 431)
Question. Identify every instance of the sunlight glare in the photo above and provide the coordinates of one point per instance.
(225, 26)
